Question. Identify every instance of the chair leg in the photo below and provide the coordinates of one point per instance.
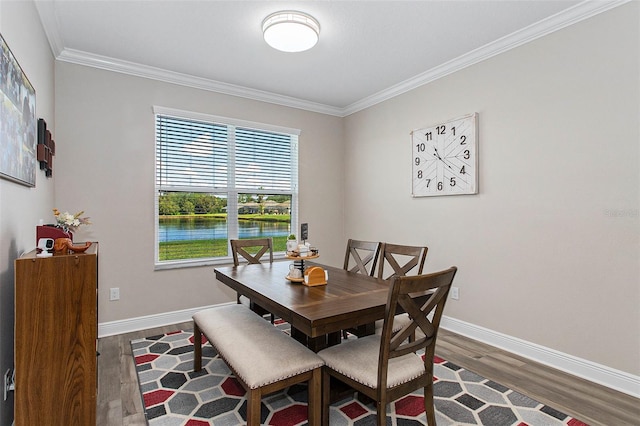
(254, 399)
(326, 396)
(429, 408)
(197, 347)
(314, 404)
(381, 407)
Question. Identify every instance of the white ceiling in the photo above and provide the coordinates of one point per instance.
(368, 50)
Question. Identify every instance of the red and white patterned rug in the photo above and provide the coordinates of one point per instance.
(174, 396)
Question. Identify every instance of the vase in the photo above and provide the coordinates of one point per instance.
(53, 232)
(292, 245)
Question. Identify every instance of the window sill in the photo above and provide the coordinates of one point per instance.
(197, 263)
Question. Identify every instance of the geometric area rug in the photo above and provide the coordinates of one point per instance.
(174, 396)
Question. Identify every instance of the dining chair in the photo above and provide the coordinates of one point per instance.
(252, 251)
(400, 260)
(388, 366)
(361, 256)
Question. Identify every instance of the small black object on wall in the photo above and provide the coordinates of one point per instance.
(46, 148)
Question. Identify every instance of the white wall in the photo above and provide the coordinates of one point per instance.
(21, 207)
(105, 154)
(549, 250)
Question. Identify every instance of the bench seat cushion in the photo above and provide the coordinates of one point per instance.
(258, 352)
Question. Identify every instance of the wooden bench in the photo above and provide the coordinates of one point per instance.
(263, 358)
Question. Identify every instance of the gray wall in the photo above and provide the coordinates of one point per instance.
(106, 154)
(21, 207)
(549, 250)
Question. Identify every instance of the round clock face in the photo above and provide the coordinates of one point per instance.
(445, 158)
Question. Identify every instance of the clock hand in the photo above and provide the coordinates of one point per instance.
(440, 158)
(437, 154)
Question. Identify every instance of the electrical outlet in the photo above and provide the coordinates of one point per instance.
(454, 293)
(114, 293)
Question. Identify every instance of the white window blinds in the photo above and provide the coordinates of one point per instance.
(195, 154)
(190, 154)
(263, 160)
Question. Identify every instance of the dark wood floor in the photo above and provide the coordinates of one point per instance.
(119, 400)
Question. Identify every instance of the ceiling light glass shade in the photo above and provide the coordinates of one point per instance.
(291, 31)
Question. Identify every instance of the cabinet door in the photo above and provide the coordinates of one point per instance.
(55, 333)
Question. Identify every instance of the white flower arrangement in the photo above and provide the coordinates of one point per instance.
(70, 222)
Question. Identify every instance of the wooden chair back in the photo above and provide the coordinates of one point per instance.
(408, 293)
(361, 256)
(251, 250)
(401, 260)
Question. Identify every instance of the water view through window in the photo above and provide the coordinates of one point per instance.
(205, 228)
(219, 179)
(197, 232)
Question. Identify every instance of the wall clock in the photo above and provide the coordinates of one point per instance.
(445, 158)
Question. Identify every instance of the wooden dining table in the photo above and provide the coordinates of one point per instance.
(317, 314)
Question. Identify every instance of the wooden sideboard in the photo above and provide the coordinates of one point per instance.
(56, 331)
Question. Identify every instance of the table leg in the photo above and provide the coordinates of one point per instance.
(334, 338)
(299, 336)
(366, 329)
(317, 344)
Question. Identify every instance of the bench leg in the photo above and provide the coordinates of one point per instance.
(326, 396)
(314, 405)
(197, 347)
(254, 400)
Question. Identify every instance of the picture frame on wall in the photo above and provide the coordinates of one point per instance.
(18, 124)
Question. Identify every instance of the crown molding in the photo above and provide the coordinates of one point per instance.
(145, 71)
(568, 17)
(579, 12)
(48, 18)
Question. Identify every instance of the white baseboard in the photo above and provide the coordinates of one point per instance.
(150, 321)
(597, 373)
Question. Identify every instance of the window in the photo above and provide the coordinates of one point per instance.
(219, 179)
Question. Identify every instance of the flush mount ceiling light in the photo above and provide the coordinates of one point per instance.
(290, 31)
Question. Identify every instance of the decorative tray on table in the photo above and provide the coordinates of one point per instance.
(295, 280)
(294, 256)
(311, 276)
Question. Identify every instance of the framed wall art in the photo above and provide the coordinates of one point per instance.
(18, 124)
